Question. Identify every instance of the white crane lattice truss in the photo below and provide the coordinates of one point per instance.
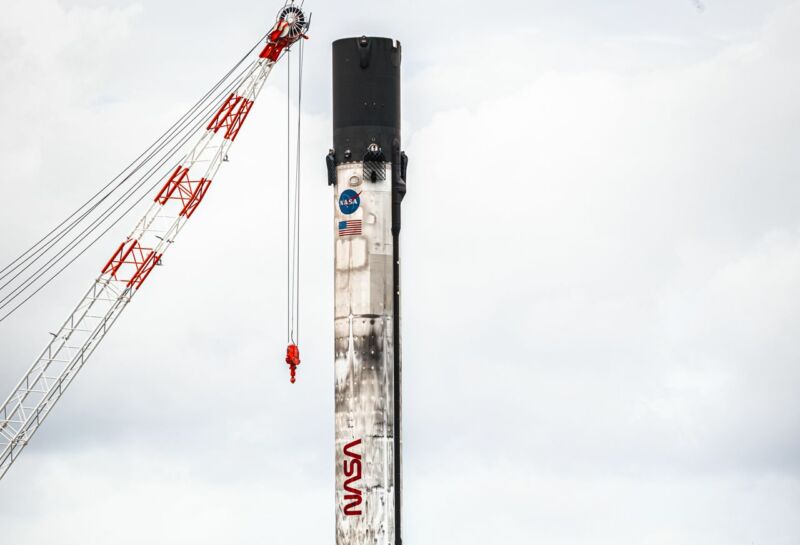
(54, 370)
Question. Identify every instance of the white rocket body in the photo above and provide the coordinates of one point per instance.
(367, 169)
(364, 358)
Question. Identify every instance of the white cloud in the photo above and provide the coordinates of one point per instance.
(601, 247)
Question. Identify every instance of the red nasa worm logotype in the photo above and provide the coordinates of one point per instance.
(352, 471)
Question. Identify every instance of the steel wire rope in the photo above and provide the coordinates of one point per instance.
(120, 201)
(116, 206)
(44, 249)
(154, 144)
(289, 275)
(296, 226)
(83, 251)
(292, 206)
(288, 194)
(164, 139)
(171, 134)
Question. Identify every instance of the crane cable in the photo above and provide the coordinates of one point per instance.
(105, 215)
(200, 110)
(293, 217)
(153, 149)
(30, 281)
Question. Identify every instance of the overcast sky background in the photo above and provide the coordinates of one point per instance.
(601, 260)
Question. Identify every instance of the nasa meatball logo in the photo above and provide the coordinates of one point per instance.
(349, 201)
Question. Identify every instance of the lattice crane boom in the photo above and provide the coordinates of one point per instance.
(136, 257)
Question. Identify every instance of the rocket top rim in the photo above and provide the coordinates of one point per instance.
(370, 38)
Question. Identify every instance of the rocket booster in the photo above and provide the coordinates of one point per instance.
(366, 168)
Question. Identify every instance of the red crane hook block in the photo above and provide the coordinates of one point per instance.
(293, 360)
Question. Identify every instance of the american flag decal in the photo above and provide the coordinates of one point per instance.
(349, 227)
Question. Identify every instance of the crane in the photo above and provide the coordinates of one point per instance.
(135, 258)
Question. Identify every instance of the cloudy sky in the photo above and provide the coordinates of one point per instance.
(601, 260)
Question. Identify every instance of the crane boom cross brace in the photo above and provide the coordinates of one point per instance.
(137, 256)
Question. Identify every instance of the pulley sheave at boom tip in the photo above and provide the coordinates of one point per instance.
(291, 25)
(295, 19)
(184, 188)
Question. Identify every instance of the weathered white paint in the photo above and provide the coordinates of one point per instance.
(364, 365)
